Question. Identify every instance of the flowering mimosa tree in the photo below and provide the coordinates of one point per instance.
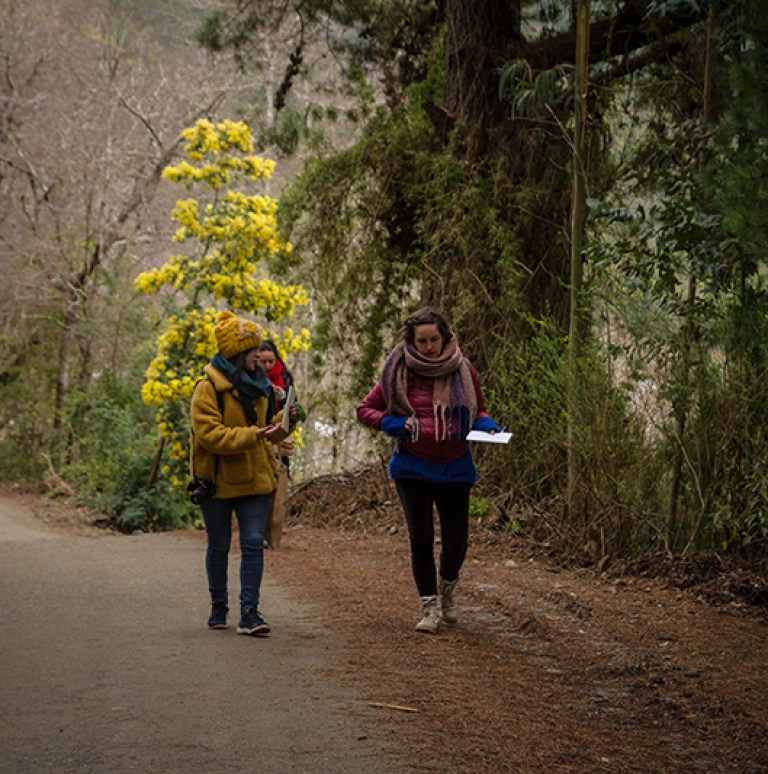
(230, 234)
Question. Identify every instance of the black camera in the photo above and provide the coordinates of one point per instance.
(200, 489)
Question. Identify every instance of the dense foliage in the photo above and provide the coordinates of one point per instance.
(458, 193)
(432, 155)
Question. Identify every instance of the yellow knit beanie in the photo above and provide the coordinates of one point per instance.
(235, 335)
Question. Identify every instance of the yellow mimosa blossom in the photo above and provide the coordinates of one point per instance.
(229, 235)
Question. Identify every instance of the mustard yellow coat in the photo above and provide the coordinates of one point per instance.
(246, 465)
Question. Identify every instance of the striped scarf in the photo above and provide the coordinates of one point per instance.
(453, 394)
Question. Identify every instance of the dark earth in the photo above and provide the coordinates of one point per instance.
(554, 666)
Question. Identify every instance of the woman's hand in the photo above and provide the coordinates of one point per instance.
(409, 424)
(487, 425)
(266, 432)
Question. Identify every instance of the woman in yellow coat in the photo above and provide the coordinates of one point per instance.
(233, 466)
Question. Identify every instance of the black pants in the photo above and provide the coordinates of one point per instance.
(452, 501)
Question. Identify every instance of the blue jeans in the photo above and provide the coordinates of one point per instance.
(251, 512)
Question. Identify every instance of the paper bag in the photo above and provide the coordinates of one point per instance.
(276, 519)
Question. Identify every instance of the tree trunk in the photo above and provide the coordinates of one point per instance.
(308, 455)
(85, 347)
(156, 463)
(578, 207)
(681, 410)
(681, 419)
(477, 43)
(66, 346)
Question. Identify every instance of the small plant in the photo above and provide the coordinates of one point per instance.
(480, 507)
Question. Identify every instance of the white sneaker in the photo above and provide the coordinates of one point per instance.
(447, 602)
(430, 609)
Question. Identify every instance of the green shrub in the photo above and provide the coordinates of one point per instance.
(619, 470)
(111, 457)
(25, 409)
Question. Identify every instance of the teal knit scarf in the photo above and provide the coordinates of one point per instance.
(253, 386)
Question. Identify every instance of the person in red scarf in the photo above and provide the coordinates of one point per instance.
(428, 399)
(276, 370)
(281, 379)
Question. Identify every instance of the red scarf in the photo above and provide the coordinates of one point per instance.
(275, 375)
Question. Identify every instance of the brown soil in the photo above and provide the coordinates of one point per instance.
(655, 666)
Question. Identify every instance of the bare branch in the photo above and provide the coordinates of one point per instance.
(144, 120)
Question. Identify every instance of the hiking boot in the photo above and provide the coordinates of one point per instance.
(430, 609)
(252, 623)
(218, 619)
(447, 603)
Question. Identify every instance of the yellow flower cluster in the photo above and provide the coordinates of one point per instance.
(177, 274)
(234, 233)
(216, 142)
(289, 342)
(299, 342)
(299, 441)
(244, 293)
(240, 225)
(173, 423)
(205, 137)
(182, 351)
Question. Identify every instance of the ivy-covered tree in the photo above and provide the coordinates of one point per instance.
(444, 188)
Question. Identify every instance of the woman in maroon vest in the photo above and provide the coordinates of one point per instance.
(428, 399)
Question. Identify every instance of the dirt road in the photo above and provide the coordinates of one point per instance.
(549, 670)
(107, 666)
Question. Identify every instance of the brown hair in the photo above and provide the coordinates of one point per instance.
(425, 316)
(269, 346)
(238, 360)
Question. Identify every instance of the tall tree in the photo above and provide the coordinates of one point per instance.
(467, 118)
(90, 122)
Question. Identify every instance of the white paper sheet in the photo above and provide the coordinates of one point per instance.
(290, 399)
(481, 437)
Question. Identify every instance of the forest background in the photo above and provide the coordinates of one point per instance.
(580, 186)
